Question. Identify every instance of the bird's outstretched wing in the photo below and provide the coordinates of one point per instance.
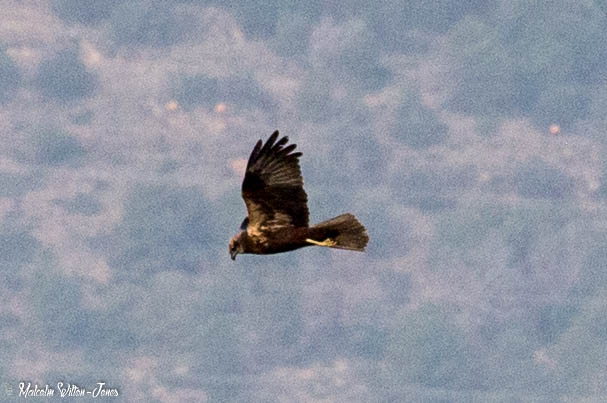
(273, 187)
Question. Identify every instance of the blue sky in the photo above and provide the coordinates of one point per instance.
(468, 138)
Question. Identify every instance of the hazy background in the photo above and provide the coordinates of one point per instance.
(467, 136)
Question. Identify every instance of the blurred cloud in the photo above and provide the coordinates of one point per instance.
(163, 228)
(148, 23)
(82, 203)
(52, 147)
(348, 52)
(416, 125)
(15, 185)
(528, 62)
(537, 179)
(466, 137)
(87, 12)
(201, 90)
(64, 77)
(260, 20)
(434, 189)
(425, 347)
(10, 77)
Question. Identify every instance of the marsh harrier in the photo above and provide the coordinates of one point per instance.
(277, 208)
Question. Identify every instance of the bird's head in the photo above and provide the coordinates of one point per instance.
(237, 244)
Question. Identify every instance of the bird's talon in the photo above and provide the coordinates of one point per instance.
(327, 242)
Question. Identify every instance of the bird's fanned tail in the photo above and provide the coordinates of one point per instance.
(341, 232)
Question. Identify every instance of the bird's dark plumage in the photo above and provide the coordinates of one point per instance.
(273, 187)
(277, 207)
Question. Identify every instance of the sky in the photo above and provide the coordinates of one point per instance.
(466, 136)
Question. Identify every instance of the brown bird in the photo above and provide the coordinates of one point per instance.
(277, 207)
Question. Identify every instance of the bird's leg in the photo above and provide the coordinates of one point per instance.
(327, 242)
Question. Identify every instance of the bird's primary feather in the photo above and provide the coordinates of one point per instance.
(273, 187)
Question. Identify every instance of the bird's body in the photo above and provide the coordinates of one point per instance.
(277, 205)
(281, 240)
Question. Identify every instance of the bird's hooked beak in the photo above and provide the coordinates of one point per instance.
(236, 245)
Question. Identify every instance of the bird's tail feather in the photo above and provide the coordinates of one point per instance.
(341, 232)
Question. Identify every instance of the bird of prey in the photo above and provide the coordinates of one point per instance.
(277, 208)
